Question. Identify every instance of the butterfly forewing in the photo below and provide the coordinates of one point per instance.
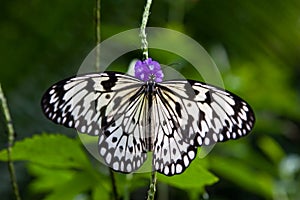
(222, 115)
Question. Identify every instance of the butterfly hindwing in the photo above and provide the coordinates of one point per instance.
(122, 145)
(175, 116)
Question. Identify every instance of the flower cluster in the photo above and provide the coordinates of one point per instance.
(148, 70)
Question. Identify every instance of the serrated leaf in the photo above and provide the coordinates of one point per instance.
(50, 150)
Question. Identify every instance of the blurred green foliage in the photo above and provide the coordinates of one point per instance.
(255, 45)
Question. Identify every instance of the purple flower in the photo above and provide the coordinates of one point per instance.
(148, 70)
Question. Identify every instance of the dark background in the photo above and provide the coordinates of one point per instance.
(255, 43)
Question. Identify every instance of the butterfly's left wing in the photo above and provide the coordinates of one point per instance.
(104, 104)
(193, 114)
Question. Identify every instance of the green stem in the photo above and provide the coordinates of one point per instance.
(97, 68)
(113, 183)
(143, 29)
(11, 138)
(152, 189)
(98, 35)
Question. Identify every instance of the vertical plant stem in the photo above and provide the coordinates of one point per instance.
(97, 68)
(143, 29)
(143, 35)
(152, 189)
(113, 182)
(11, 138)
(98, 35)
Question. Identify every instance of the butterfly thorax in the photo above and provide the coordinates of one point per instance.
(150, 87)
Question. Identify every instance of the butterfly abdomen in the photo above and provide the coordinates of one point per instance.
(150, 91)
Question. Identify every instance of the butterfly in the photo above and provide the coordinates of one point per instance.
(132, 117)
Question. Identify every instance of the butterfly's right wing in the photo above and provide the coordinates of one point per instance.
(107, 105)
(191, 114)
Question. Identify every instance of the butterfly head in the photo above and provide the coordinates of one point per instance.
(148, 70)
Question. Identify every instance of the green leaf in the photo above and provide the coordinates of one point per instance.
(46, 179)
(79, 183)
(196, 177)
(60, 183)
(50, 150)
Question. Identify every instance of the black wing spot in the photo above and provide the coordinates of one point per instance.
(107, 96)
(157, 147)
(208, 98)
(133, 121)
(110, 83)
(113, 123)
(196, 92)
(106, 133)
(117, 102)
(174, 151)
(178, 109)
(227, 123)
(165, 152)
(190, 91)
(130, 149)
